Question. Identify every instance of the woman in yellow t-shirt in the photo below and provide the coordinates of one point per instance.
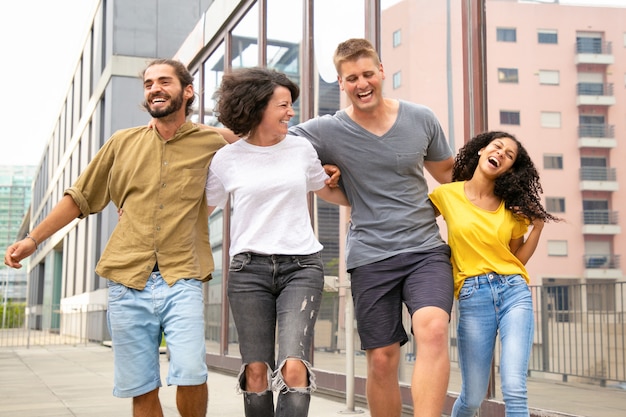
(488, 208)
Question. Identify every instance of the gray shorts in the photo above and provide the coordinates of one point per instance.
(417, 279)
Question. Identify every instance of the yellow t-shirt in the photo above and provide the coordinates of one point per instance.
(479, 239)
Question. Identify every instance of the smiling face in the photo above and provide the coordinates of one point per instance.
(498, 156)
(163, 92)
(279, 111)
(362, 80)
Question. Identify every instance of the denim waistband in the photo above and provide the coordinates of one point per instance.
(274, 258)
(490, 276)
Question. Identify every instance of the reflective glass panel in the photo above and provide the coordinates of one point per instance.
(245, 45)
(284, 38)
(213, 71)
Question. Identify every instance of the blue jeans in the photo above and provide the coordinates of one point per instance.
(138, 318)
(266, 291)
(491, 304)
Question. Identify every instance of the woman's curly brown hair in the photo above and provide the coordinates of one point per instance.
(519, 188)
(244, 94)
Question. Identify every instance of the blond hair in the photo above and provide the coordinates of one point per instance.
(353, 49)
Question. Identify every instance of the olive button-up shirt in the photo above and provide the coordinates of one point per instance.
(159, 185)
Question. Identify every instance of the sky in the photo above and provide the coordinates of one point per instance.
(41, 41)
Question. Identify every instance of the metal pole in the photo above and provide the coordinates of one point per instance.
(349, 350)
(6, 295)
(349, 323)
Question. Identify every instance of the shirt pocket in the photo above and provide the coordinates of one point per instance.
(407, 162)
(193, 182)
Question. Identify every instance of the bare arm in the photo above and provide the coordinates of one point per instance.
(523, 250)
(440, 170)
(61, 215)
(333, 195)
(226, 133)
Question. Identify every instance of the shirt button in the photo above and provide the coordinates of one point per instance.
(161, 206)
(163, 185)
(158, 228)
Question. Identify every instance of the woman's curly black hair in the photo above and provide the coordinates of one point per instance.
(519, 188)
(244, 94)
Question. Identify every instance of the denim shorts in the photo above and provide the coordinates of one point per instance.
(137, 319)
(422, 279)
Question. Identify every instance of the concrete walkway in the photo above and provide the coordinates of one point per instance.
(60, 381)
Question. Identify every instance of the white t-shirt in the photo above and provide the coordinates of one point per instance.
(269, 186)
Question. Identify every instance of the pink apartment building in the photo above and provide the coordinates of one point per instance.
(556, 78)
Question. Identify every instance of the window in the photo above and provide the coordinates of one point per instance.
(509, 117)
(553, 161)
(549, 77)
(397, 79)
(507, 75)
(593, 126)
(506, 35)
(557, 247)
(547, 36)
(589, 43)
(397, 38)
(555, 204)
(551, 119)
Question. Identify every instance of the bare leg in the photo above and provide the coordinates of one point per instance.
(258, 400)
(382, 387)
(192, 400)
(432, 363)
(295, 374)
(147, 405)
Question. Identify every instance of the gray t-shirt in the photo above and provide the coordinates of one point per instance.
(383, 178)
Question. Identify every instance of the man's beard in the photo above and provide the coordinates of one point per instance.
(175, 104)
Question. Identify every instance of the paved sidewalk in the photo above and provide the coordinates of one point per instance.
(64, 381)
(68, 381)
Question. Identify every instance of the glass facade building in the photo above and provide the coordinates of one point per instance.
(15, 195)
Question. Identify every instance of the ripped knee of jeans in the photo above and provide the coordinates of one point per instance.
(241, 380)
(279, 384)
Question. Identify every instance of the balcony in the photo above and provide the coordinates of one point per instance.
(594, 94)
(598, 179)
(595, 135)
(594, 51)
(600, 222)
(602, 266)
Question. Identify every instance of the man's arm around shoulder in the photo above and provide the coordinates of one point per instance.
(440, 170)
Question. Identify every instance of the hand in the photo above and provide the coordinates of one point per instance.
(18, 251)
(537, 224)
(334, 173)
